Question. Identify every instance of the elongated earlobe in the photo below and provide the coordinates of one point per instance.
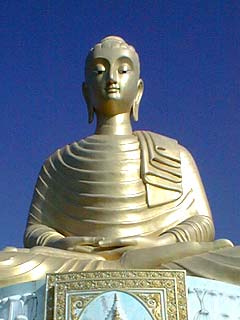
(89, 105)
(136, 102)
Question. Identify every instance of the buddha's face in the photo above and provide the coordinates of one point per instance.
(112, 80)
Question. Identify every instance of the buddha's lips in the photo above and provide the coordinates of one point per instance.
(112, 89)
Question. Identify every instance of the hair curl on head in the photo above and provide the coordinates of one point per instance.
(114, 42)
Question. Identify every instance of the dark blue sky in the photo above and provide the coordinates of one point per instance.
(189, 53)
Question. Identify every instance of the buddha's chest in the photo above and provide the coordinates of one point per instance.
(100, 188)
(113, 170)
(106, 173)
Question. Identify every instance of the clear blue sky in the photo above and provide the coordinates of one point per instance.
(189, 54)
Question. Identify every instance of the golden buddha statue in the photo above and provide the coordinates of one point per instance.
(118, 198)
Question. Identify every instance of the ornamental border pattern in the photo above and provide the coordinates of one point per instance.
(163, 293)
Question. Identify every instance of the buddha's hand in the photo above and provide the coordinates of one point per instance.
(139, 241)
(112, 249)
(135, 241)
(79, 244)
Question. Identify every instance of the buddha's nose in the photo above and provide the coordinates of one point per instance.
(111, 81)
(112, 76)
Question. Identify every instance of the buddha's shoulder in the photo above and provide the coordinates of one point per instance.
(163, 143)
(147, 139)
(71, 150)
(156, 138)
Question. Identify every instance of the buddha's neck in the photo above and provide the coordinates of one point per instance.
(116, 125)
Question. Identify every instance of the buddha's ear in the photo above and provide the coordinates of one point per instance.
(86, 95)
(137, 100)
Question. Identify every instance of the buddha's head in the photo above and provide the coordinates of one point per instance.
(112, 79)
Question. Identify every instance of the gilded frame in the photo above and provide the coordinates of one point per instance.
(161, 294)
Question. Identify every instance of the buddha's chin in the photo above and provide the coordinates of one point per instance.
(113, 107)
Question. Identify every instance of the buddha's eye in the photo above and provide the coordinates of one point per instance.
(99, 69)
(124, 68)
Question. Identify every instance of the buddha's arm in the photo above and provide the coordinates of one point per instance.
(42, 235)
(200, 226)
(40, 230)
(37, 234)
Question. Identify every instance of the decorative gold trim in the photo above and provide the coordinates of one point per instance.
(161, 293)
